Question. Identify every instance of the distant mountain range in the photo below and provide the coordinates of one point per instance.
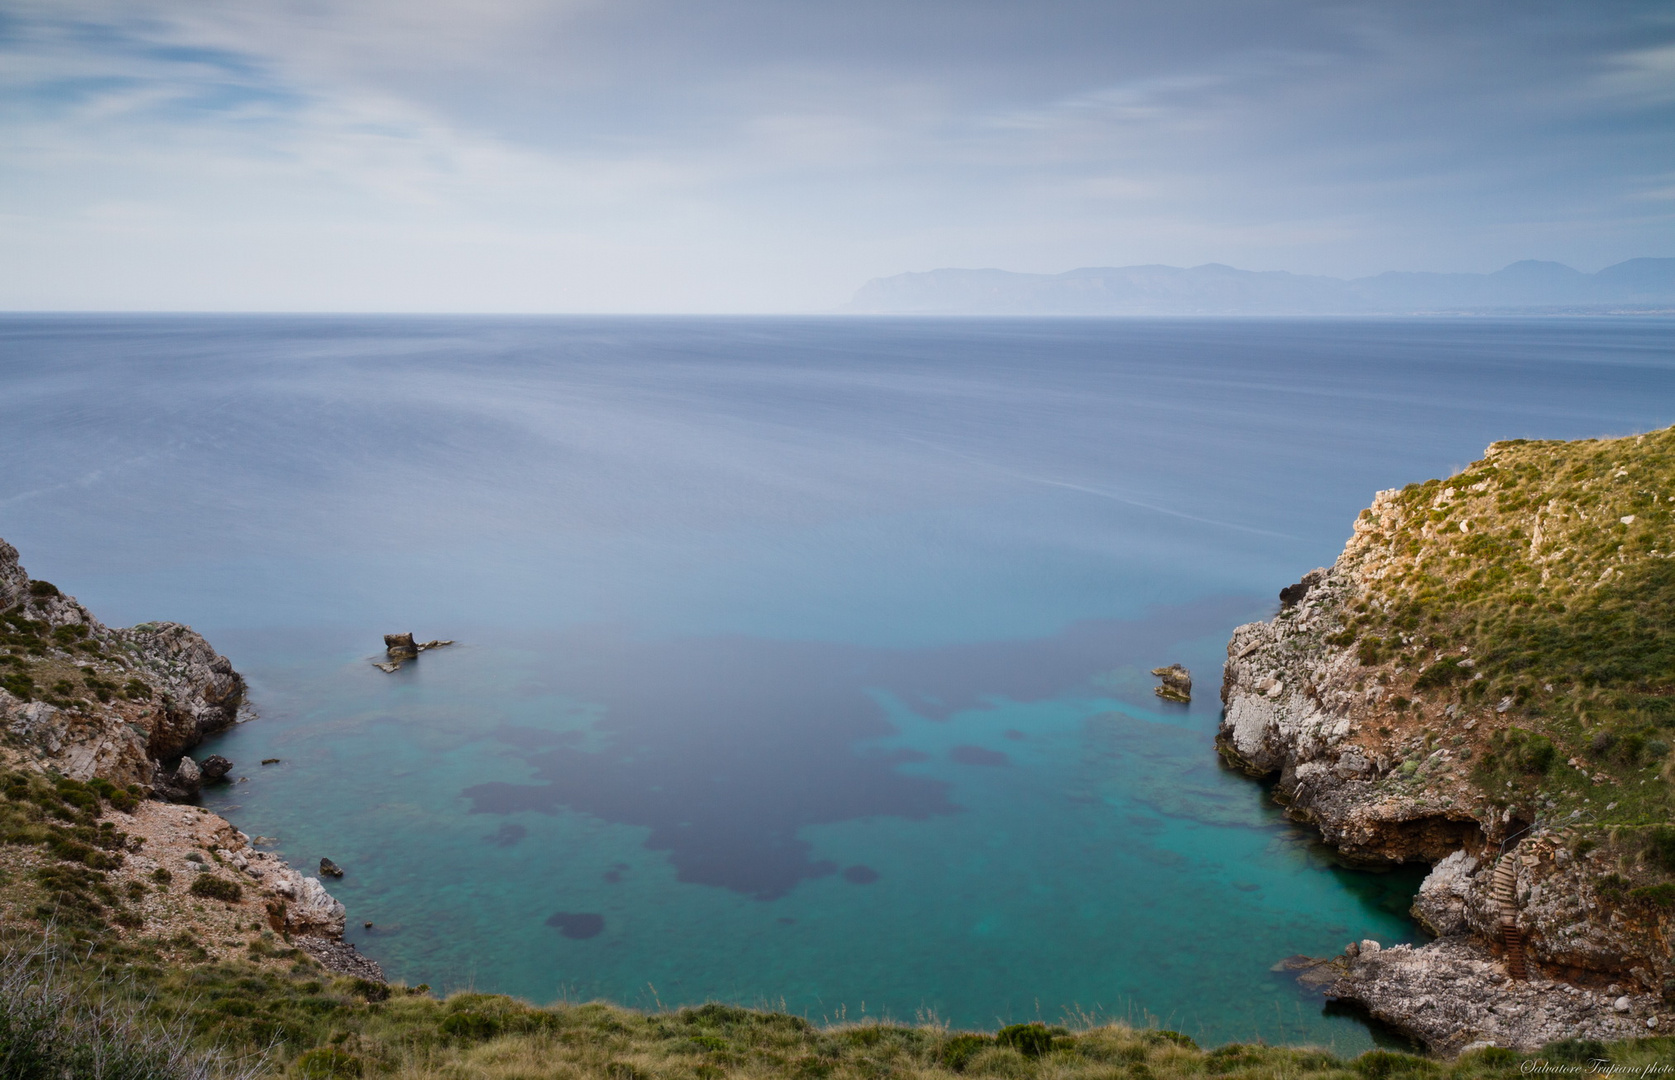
(1639, 285)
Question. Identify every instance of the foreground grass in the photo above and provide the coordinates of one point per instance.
(136, 1020)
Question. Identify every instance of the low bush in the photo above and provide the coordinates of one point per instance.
(217, 888)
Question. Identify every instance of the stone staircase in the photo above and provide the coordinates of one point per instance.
(1504, 892)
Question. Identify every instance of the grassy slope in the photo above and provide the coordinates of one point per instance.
(1537, 589)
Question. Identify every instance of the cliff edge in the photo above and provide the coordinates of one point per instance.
(95, 723)
(1484, 681)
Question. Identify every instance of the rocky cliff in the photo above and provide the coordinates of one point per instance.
(86, 700)
(1484, 681)
(95, 723)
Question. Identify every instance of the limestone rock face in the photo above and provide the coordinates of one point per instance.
(1389, 780)
(14, 583)
(1452, 994)
(89, 700)
(1440, 906)
(180, 784)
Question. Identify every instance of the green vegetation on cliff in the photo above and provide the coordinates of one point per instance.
(1537, 588)
(1540, 581)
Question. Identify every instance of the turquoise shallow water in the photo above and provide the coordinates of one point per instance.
(1001, 852)
(801, 661)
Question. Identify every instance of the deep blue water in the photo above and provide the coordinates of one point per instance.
(802, 661)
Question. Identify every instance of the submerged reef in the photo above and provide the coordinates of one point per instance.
(1484, 681)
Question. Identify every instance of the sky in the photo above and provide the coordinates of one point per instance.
(774, 155)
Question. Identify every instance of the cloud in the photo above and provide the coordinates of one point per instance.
(653, 155)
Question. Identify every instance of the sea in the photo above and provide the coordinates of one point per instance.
(800, 663)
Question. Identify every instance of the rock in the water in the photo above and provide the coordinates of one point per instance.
(1292, 595)
(401, 648)
(215, 768)
(1453, 993)
(330, 869)
(1177, 683)
(181, 785)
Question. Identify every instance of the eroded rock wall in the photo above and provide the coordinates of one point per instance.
(1386, 777)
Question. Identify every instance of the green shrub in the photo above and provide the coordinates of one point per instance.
(1574, 1051)
(18, 685)
(43, 589)
(1164, 1035)
(328, 1063)
(1030, 1040)
(470, 1026)
(1662, 895)
(1233, 1058)
(1377, 1064)
(370, 990)
(1660, 847)
(1522, 751)
(957, 1052)
(1444, 672)
(217, 888)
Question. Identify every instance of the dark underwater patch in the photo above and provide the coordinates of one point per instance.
(976, 755)
(860, 875)
(507, 835)
(726, 748)
(577, 924)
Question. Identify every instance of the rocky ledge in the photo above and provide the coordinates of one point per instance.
(1440, 695)
(85, 701)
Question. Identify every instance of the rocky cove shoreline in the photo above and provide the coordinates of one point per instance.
(1538, 934)
(120, 708)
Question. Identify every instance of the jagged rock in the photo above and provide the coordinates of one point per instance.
(1177, 683)
(1440, 906)
(401, 648)
(330, 869)
(1292, 595)
(182, 783)
(342, 957)
(1453, 993)
(215, 768)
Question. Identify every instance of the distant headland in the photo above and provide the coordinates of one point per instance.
(1635, 287)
